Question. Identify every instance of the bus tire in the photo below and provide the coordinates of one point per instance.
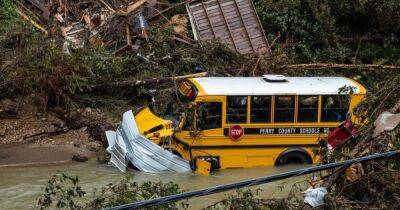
(293, 157)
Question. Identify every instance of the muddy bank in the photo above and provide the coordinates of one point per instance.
(32, 136)
(17, 154)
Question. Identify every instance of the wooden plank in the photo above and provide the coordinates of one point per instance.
(227, 26)
(250, 20)
(220, 28)
(259, 42)
(242, 43)
(131, 7)
(195, 7)
(235, 25)
(205, 10)
(243, 4)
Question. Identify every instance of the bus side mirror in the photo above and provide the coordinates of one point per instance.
(182, 120)
(191, 105)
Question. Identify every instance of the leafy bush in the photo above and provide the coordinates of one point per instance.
(360, 31)
(63, 191)
(8, 16)
(249, 199)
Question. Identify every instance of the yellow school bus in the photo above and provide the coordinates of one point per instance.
(261, 121)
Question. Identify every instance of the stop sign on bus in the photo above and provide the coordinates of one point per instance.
(236, 132)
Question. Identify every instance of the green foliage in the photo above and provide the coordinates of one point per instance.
(249, 199)
(360, 31)
(8, 16)
(63, 191)
(244, 199)
(128, 191)
(55, 77)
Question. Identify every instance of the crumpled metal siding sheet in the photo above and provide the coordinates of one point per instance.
(129, 144)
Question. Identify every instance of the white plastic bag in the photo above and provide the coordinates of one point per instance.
(315, 197)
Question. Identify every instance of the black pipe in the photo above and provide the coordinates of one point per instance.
(251, 182)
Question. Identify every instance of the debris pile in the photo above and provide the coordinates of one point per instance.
(124, 25)
(115, 25)
(374, 184)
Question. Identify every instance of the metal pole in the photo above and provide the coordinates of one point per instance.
(251, 182)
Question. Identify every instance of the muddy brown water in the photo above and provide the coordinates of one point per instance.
(21, 186)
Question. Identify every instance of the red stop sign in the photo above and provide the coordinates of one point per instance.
(236, 132)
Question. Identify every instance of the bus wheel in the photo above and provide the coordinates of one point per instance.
(293, 158)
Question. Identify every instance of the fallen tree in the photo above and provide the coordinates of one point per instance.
(151, 81)
(321, 66)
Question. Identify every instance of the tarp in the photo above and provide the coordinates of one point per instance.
(127, 144)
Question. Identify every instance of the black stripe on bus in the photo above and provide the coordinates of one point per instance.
(284, 130)
(252, 146)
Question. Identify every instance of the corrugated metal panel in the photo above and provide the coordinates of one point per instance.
(234, 22)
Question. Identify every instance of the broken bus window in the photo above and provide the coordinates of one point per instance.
(334, 108)
(209, 115)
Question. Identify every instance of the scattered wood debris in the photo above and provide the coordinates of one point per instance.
(117, 25)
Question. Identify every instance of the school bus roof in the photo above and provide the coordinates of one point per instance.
(291, 86)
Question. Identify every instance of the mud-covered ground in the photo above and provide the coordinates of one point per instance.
(29, 136)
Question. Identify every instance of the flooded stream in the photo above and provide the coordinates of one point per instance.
(20, 187)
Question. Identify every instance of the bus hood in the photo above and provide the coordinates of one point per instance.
(151, 126)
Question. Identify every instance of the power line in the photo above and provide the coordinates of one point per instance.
(251, 182)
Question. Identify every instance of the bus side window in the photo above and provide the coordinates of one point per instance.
(260, 111)
(236, 109)
(209, 115)
(334, 108)
(284, 109)
(308, 109)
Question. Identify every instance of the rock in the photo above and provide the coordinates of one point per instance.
(77, 144)
(58, 123)
(103, 156)
(8, 109)
(3, 130)
(92, 149)
(79, 158)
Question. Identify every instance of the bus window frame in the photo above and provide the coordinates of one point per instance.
(249, 104)
(318, 109)
(349, 107)
(212, 99)
(225, 110)
(198, 104)
(294, 110)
